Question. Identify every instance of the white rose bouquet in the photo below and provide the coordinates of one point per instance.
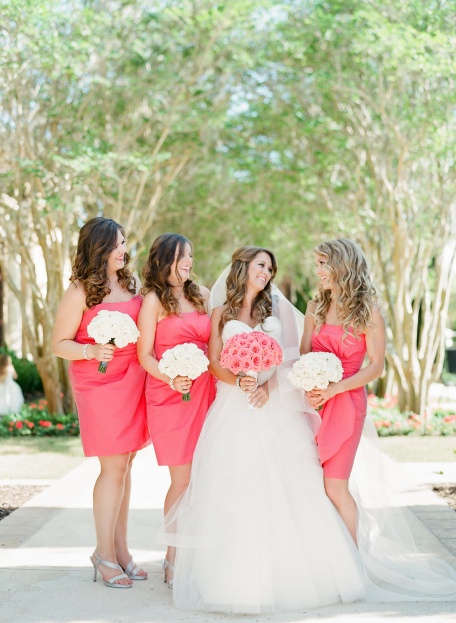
(316, 370)
(112, 327)
(183, 360)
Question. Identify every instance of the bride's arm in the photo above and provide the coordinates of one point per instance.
(214, 350)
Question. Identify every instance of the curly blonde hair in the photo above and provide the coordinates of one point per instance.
(157, 269)
(97, 239)
(236, 287)
(356, 297)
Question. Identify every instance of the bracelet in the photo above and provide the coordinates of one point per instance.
(84, 352)
(238, 381)
(171, 384)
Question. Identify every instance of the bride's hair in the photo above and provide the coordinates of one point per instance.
(236, 287)
(97, 239)
(158, 267)
(356, 296)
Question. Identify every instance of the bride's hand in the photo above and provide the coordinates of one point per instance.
(259, 397)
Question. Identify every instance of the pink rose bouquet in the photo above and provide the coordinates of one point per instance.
(250, 353)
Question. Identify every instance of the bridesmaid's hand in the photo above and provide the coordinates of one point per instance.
(259, 397)
(101, 352)
(318, 397)
(182, 384)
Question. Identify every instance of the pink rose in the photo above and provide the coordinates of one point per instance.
(243, 353)
(256, 362)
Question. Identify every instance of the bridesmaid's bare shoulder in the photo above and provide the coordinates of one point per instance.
(75, 295)
(205, 293)
(311, 307)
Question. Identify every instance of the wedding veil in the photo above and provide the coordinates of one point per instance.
(394, 567)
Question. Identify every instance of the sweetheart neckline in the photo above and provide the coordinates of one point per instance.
(245, 324)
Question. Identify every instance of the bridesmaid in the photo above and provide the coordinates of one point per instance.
(111, 406)
(343, 319)
(174, 312)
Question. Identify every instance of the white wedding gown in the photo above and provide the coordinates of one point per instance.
(255, 531)
(11, 397)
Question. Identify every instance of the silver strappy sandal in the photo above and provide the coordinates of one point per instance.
(111, 583)
(131, 570)
(167, 565)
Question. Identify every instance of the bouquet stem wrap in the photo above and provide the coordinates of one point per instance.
(254, 375)
(104, 364)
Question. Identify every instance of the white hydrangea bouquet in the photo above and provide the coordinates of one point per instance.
(316, 370)
(112, 327)
(183, 360)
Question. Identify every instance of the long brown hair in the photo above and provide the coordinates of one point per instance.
(236, 287)
(157, 269)
(97, 239)
(356, 296)
(5, 361)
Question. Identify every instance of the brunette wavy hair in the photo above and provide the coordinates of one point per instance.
(5, 362)
(97, 239)
(162, 254)
(236, 287)
(356, 296)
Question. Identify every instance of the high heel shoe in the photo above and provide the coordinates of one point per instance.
(111, 583)
(131, 570)
(167, 565)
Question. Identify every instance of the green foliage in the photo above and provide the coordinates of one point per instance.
(27, 376)
(245, 122)
(35, 420)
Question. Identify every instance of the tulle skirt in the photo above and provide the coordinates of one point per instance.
(255, 530)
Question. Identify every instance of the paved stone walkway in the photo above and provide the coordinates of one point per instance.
(45, 573)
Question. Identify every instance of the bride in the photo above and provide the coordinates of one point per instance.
(255, 531)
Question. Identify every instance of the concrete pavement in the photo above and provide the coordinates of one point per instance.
(46, 576)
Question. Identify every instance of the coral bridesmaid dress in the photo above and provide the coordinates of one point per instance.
(174, 424)
(111, 406)
(343, 415)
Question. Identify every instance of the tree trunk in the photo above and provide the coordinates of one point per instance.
(2, 307)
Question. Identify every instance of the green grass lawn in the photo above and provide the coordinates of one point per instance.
(38, 457)
(406, 448)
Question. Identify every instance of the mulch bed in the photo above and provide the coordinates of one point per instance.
(13, 496)
(447, 491)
